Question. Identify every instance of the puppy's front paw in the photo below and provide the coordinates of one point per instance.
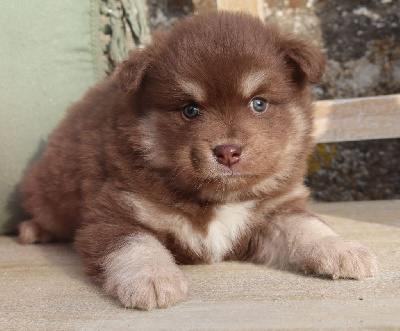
(142, 274)
(149, 288)
(337, 257)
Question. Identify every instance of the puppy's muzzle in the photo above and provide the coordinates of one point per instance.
(228, 154)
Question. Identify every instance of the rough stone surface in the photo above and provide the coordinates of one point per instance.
(164, 14)
(362, 40)
(355, 171)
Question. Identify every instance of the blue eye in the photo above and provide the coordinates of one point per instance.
(191, 111)
(258, 105)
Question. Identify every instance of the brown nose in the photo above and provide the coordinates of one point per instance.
(227, 155)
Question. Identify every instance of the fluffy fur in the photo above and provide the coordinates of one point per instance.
(140, 187)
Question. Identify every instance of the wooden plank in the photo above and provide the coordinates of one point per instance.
(358, 119)
(201, 6)
(253, 7)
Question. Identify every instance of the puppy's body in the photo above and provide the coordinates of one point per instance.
(194, 152)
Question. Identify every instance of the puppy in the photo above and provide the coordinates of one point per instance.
(193, 152)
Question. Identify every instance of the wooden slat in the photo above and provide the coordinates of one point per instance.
(253, 7)
(201, 6)
(358, 119)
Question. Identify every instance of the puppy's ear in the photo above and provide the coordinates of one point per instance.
(307, 59)
(130, 72)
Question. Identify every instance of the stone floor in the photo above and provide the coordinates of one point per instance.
(42, 287)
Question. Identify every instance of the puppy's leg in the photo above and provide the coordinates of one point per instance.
(302, 242)
(31, 232)
(142, 274)
(136, 268)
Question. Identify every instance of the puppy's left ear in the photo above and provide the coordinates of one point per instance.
(305, 58)
(131, 72)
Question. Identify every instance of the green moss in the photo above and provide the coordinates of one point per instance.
(322, 156)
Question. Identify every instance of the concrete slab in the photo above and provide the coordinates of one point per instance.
(42, 287)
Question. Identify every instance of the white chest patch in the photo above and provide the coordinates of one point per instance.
(230, 222)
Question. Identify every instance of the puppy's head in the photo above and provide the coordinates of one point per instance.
(223, 105)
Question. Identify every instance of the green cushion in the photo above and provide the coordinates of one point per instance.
(48, 59)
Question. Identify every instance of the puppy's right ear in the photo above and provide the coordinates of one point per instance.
(130, 72)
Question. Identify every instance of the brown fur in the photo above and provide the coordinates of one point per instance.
(125, 175)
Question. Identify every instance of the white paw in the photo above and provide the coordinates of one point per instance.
(338, 257)
(143, 275)
(149, 288)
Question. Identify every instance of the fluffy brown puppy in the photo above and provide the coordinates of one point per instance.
(193, 152)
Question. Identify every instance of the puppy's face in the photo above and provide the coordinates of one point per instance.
(223, 105)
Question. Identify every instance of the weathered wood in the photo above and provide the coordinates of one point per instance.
(253, 7)
(201, 6)
(358, 119)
